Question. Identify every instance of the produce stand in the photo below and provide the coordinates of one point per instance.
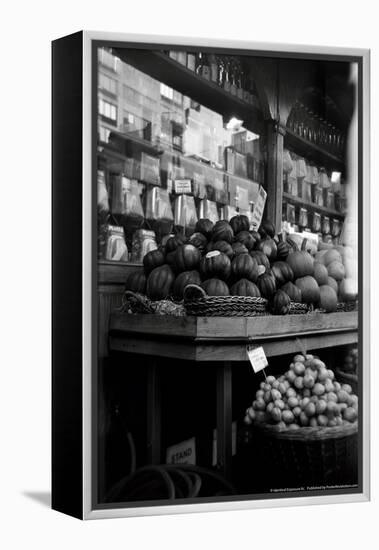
(222, 341)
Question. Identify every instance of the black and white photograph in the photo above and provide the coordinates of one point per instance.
(225, 276)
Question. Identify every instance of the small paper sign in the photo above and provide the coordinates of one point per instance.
(257, 358)
(242, 196)
(183, 186)
(182, 453)
(259, 207)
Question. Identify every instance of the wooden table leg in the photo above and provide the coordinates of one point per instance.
(224, 418)
(153, 414)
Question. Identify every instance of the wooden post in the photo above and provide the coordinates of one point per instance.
(224, 418)
(275, 138)
(153, 414)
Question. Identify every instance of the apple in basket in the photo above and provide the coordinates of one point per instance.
(306, 395)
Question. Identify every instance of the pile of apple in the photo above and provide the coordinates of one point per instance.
(307, 395)
(351, 362)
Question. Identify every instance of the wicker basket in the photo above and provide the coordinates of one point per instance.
(307, 457)
(347, 306)
(197, 302)
(133, 302)
(297, 308)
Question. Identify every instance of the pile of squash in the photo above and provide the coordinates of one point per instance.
(227, 258)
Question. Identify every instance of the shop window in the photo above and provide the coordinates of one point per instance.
(104, 134)
(107, 59)
(107, 84)
(171, 95)
(107, 110)
(167, 92)
(136, 125)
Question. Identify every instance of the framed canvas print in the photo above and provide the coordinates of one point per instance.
(210, 275)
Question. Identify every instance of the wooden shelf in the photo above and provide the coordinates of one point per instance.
(225, 339)
(307, 204)
(207, 93)
(109, 272)
(313, 152)
(106, 151)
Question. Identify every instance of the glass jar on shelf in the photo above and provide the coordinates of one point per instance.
(213, 64)
(191, 61)
(227, 74)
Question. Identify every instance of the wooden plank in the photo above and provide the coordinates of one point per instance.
(282, 325)
(312, 151)
(232, 328)
(154, 348)
(109, 297)
(312, 205)
(224, 418)
(115, 272)
(233, 351)
(157, 325)
(153, 413)
(237, 352)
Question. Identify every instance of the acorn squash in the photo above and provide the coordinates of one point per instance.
(282, 272)
(239, 248)
(244, 287)
(205, 227)
(244, 267)
(239, 223)
(199, 240)
(246, 239)
(292, 291)
(283, 248)
(280, 303)
(215, 287)
(222, 232)
(222, 246)
(153, 259)
(268, 247)
(186, 258)
(266, 284)
(260, 258)
(173, 242)
(136, 281)
(267, 229)
(182, 280)
(159, 283)
(215, 264)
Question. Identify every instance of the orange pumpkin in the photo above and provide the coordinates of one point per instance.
(336, 270)
(331, 255)
(333, 283)
(328, 298)
(320, 273)
(301, 262)
(310, 291)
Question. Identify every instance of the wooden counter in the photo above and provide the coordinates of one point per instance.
(221, 340)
